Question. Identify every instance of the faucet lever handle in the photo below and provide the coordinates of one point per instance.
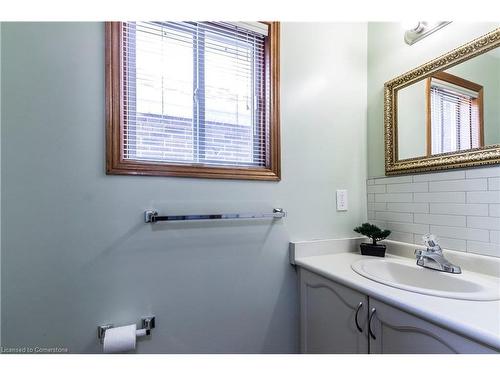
(430, 242)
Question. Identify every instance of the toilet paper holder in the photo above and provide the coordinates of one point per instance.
(147, 323)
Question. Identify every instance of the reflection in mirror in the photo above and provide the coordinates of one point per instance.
(454, 110)
(454, 114)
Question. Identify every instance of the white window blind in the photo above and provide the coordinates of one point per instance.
(195, 93)
(454, 118)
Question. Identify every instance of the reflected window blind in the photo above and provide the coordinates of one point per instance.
(454, 119)
(195, 93)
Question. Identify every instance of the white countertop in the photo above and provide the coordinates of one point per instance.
(478, 320)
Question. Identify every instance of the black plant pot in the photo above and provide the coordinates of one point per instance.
(373, 250)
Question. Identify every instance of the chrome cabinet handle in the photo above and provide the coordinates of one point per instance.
(356, 317)
(372, 314)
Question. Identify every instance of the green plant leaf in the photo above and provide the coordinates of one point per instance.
(373, 232)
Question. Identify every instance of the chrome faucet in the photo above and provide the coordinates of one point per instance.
(432, 257)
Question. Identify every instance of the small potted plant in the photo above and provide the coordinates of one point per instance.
(375, 234)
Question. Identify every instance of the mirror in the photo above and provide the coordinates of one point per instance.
(446, 113)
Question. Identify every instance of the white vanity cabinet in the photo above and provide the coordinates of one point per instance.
(328, 315)
(394, 331)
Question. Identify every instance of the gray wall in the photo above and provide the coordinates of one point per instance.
(75, 252)
(389, 56)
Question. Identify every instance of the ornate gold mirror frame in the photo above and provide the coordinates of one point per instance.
(474, 157)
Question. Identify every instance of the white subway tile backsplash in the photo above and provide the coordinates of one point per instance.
(408, 188)
(448, 197)
(459, 209)
(407, 227)
(379, 223)
(438, 176)
(450, 220)
(393, 180)
(494, 183)
(481, 222)
(459, 185)
(483, 197)
(444, 242)
(452, 243)
(484, 248)
(394, 197)
(376, 188)
(460, 233)
(495, 210)
(401, 237)
(394, 216)
(377, 206)
(483, 172)
(408, 207)
(495, 236)
(417, 239)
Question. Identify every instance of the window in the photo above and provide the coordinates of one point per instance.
(193, 99)
(454, 114)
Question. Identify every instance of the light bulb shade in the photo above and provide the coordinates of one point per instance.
(411, 25)
(423, 29)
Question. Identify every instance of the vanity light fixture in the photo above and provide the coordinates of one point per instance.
(420, 29)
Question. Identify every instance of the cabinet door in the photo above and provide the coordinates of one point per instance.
(398, 332)
(328, 316)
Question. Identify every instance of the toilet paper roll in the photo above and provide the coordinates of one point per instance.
(120, 339)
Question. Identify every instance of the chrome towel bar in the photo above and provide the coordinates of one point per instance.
(152, 216)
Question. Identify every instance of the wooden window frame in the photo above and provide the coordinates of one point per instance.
(457, 81)
(116, 164)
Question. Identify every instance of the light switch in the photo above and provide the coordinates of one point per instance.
(342, 200)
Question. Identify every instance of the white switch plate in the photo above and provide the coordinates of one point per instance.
(342, 200)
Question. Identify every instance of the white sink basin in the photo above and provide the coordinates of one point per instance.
(405, 274)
